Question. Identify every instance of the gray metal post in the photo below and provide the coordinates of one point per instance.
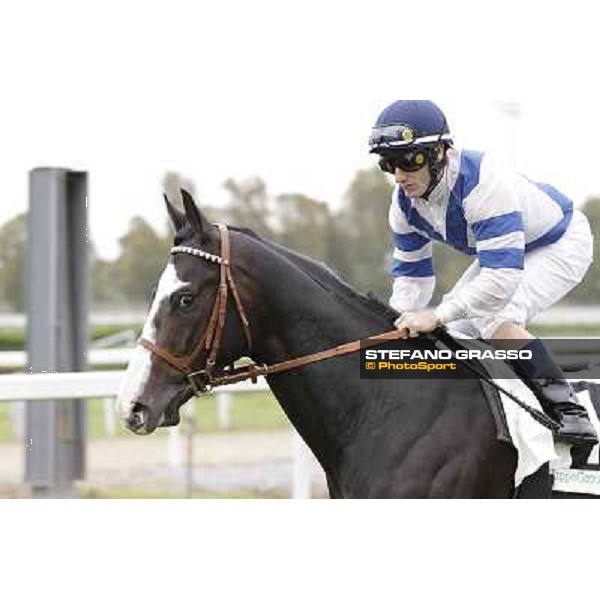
(57, 335)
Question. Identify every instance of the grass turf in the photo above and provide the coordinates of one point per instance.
(250, 411)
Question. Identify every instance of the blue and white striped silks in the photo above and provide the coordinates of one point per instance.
(478, 210)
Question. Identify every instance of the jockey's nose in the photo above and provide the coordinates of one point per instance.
(400, 176)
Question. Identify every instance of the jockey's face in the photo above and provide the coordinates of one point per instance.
(415, 183)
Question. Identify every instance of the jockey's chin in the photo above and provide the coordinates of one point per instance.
(413, 184)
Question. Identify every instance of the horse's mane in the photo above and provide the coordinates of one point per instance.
(325, 277)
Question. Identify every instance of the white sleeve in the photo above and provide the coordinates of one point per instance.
(412, 264)
(493, 213)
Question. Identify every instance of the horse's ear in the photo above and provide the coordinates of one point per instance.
(198, 223)
(177, 217)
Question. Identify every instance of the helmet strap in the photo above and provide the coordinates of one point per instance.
(436, 168)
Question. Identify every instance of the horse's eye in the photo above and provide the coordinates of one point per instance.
(185, 300)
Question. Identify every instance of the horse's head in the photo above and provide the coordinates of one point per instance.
(196, 324)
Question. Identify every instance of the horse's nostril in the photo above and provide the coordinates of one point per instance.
(136, 419)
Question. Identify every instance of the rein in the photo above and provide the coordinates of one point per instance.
(205, 379)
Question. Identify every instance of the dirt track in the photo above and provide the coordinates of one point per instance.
(223, 463)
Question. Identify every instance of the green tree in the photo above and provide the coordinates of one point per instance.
(13, 236)
(249, 206)
(105, 277)
(361, 241)
(144, 254)
(303, 224)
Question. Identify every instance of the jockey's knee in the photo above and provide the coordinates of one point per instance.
(510, 330)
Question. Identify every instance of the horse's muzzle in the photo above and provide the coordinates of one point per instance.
(139, 419)
(143, 420)
(171, 415)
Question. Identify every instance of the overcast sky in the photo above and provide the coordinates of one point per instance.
(284, 90)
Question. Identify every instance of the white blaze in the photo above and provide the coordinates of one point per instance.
(139, 366)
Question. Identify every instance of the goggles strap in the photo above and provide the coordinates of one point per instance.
(436, 168)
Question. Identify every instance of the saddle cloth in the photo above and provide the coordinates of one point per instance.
(533, 442)
(584, 480)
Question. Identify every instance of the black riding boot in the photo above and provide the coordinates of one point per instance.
(547, 381)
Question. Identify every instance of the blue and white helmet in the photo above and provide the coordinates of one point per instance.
(409, 123)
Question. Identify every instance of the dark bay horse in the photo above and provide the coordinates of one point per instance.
(373, 438)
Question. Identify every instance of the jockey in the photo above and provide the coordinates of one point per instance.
(532, 247)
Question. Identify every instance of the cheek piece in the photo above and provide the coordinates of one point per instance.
(436, 169)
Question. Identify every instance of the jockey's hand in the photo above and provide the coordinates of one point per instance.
(415, 322)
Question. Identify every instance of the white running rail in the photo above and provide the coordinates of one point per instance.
(17, 359)
(105, 384)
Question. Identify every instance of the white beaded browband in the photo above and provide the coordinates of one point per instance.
(200, 253)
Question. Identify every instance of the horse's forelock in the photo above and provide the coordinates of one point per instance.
(183, 236)
(187, 236)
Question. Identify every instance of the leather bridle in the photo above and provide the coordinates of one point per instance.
(205, 379)
(212, 336)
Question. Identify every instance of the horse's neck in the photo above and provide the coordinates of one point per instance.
(297, 307)
(304, 317)
(347, 421)
(323, 401)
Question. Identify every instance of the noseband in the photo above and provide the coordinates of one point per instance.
(210, 341)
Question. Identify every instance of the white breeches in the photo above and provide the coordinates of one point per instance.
(550, 273)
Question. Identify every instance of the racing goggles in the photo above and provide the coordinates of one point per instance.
(395, 137)
(405, 160)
